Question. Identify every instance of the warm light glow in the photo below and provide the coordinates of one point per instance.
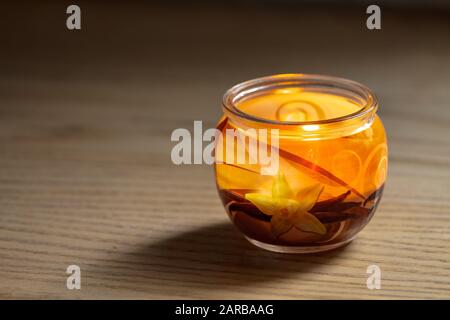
(311, 127)
(288, 91)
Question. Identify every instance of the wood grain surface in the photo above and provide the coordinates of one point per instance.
(85, 170)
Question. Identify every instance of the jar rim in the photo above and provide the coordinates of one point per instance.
(237, 92)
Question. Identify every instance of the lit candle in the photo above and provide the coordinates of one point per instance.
(332, 161)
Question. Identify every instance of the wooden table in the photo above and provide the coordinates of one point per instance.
(86, 176)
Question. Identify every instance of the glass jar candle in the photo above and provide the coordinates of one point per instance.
(301, 160)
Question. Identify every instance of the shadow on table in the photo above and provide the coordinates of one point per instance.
(215, 256)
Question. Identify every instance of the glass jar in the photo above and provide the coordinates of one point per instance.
(301, 160)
